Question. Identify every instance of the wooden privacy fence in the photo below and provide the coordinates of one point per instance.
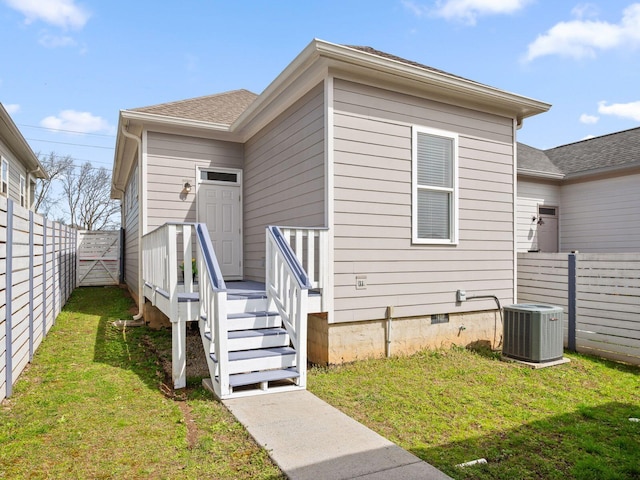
(98, 258)
(37, 275)
(600, 295)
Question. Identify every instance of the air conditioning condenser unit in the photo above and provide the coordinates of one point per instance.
(533, 333)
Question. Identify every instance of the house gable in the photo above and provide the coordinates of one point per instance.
(20, 165)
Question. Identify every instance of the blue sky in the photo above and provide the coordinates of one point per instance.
(68, 66)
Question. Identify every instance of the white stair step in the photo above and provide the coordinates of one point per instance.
(244, 305)
(260, 359)
(241, 379)
(261, 338)
(251, 320)
(257, 338)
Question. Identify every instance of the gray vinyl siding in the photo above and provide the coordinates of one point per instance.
(284, 176)
(532, 193)
(16, 168)
(171, 159)
(372, 225)
(601, 216)
(131, 225)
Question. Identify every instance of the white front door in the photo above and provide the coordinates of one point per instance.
(219, 207)
(547, 229)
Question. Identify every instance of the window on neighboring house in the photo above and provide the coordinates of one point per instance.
(435, 186)
(4, 188)
(23, 191)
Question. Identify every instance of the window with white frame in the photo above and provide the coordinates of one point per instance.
(435, 186)
(23, 191)
(4, 185)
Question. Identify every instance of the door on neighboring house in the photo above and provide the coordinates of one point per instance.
(547, 229)
(220, 207)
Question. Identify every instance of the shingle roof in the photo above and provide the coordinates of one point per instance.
(535, 160)
(608, 151)
(223, 108)
(615, 150)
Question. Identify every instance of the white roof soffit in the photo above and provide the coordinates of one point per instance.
(348, 59)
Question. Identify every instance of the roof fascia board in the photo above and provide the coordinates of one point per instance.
(153, 119)
(457, 87)
(280, 100)
(540, 174)
(416, 89)
(459, 91)
(295, 69)
(627, 169)
(18, 144)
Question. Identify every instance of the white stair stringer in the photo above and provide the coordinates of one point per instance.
(261, 359)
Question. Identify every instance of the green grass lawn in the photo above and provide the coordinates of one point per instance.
(454, 406)
(95, 404)
(91, 405)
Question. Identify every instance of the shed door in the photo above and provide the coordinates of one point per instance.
(219, 207)
(548, 229)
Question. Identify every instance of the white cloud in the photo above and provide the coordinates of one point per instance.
(624, 110)
(588, 137)
(416, 9)
(584, 38)
(55, 41)
(588, 119)
(12, 108)
(469, 10)
(61, 13)
(76, 122)
(585, 10)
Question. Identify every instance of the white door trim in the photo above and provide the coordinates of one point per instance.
(238, 182)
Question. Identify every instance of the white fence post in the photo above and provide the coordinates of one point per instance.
(29, 293)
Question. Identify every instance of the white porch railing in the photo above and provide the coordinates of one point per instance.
(161, 262)
(287, 286)
(311, 247)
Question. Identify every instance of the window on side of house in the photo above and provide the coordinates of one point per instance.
(23, 191)
(434, 218)
(4, 182)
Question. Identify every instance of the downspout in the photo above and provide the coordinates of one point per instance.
(517, 125)
(138, 141)
(122, 220)
(31, 199)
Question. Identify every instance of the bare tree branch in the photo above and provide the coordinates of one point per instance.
(45, 197)
(87, 193)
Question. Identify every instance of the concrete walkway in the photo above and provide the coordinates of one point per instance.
(309, 439)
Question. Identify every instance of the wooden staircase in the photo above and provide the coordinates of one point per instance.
(255, 339)
(261, 358)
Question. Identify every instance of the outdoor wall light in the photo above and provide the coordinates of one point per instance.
(186, 187)
(539, 222)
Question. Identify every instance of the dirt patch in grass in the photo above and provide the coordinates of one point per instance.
(160, 347)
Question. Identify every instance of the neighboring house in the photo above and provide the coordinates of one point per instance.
(410, 169)
(19, 166)
(582, 196)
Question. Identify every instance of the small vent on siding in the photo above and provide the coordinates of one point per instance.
(439, 318)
